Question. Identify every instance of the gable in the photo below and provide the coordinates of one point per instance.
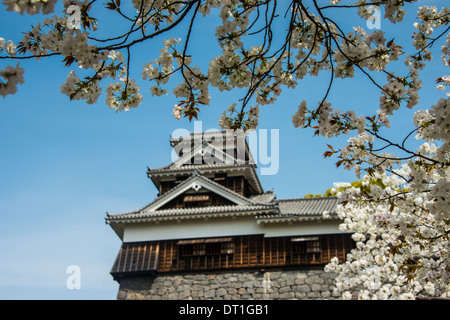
(205, 154)
(197, 185)
(200, 199)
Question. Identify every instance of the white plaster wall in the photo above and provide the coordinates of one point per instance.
(190, 229)
(221, 227)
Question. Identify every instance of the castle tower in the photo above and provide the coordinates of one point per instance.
(212, 216)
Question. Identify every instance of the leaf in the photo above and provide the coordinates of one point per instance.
(21, 48)
(72, 95)
(391, 208)
(338, 164)
(68, 60)
(390, 43)
(192, 115)
(111, 6)
(327, 154)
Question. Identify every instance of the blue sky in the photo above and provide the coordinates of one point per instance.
(64, 164)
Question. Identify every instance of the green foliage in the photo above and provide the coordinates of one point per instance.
(310, 195)
(331, 192)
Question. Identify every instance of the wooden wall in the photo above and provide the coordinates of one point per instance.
(238, 252)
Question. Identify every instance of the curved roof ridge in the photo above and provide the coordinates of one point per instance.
(305, 199)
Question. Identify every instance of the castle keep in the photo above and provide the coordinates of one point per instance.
(213, 232)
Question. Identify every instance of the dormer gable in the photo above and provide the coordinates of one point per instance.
(214, 147)
(193, 189)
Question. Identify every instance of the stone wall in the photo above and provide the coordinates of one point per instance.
(267, 285)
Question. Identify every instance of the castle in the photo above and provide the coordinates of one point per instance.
(212, 225)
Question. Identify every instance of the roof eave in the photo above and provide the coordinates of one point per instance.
(294, 219)
(154, 174)
(180, 215)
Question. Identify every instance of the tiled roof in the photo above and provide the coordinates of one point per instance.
(190, 167)
(267, 197)
(279, 210)
(171, 169)
(307, 206)
(184, 212)
(302, 209)
(264, 206)
(251, 204)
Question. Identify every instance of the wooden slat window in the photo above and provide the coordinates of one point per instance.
(199, 247)
(227, 248)
(253, 251)
(137, 257)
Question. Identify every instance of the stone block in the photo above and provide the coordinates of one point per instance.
(302, 288)
(313, 294)
(287, 295)
(210, 294)
(199, 277)
(316, 287)
(274, 295)
(221, 292)
(232, 291)
(300, 295)
(285, 289)
(173, 296)
(121, 295)
(314, 279)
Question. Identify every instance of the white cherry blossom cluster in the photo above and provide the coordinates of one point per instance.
(162, 67)
(123, 95)
(30, 6)
(430, 19)
(401, 247)
(298, 119)
(398, 215)
(12, 76)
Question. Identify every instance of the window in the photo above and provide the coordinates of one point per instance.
(227, 248)
(196, 198)
(198, 249)
(312, 246)
(201, 247)
(306, 245)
